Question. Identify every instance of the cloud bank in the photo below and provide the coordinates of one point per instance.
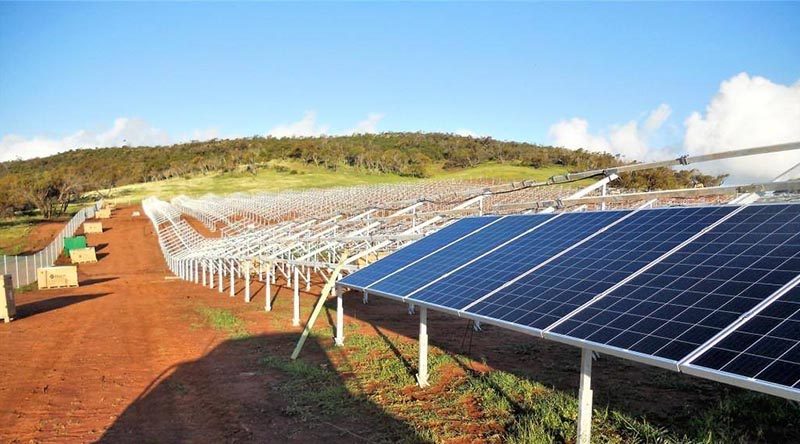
(126, 131)
(746, 111)
(630, 140)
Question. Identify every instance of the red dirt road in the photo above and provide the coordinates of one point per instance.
(126, 357)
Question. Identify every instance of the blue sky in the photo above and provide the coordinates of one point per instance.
(511, 71)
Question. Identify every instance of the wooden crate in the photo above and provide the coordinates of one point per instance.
(57, 277)
(8, 307)
(83, 255)
(92, 227)
(105, 213)
(136, 214)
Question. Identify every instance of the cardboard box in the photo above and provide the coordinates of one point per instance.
(92, 227)
(57, 277)
(83, 255)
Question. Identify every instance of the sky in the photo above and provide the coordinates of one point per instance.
(644, 80)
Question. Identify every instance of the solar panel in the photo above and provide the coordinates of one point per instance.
(415, 251)
(680, 303)
(549, 293)
(435, 265)
(766, 348)
(495, 269)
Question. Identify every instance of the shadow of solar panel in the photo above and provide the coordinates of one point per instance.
(495, 269)
(544, 296)
(765, 348)
(415, 251)
(680, 303)
(412, 277)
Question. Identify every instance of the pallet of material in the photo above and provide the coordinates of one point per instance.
(8, 308)
(136, 214)
(57, 277)
(83, 255)
(105, 213)
(92, 227)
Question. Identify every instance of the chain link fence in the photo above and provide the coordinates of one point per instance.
(23, 268)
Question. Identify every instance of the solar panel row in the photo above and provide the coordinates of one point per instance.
(653, 285)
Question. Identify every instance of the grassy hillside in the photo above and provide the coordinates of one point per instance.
(292, 175)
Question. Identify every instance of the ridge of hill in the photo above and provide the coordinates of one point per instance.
(50, 184)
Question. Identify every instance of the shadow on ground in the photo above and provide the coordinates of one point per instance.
(87, 282)
(55, 303)
(230, 395)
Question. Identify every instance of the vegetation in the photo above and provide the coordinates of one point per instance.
(496, 406)
(225, 321)
(50, 184)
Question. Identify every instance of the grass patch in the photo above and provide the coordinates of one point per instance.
(463, 405)
(224, 320)
(280, 175)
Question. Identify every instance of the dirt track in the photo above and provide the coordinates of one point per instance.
(83, 362)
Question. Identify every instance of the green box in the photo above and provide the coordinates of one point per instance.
(72, 243)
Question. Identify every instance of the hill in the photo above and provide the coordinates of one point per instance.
(50, 184)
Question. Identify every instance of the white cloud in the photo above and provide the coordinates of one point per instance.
(747, 111)
(629, 139)
(466, 133)
(368, 125)
(657, 117)
(305, 127)
(124, 131)
(204, 134)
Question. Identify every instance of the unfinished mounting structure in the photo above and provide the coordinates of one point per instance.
(293, 235)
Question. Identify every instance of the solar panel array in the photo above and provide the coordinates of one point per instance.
(706, 290)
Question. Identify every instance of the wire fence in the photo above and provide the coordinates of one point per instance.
(23, 268)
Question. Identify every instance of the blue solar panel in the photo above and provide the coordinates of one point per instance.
(435, 265)
(549, 293)
(495, 269)
(680, 303)
(415, 251)
(765, 348)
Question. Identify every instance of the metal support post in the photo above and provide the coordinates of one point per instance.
(204, 273)
(268, 290)
(585, 398)
(422, 375)
(296, 316)
(247, 281)
(233, 282)
(308, 279)
(221, 268)
(339, 340)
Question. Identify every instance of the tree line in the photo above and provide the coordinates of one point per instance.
(50, 184)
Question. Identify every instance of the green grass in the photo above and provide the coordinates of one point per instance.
(289, 175)
(497, 406)
(14, 231)
(224, 320)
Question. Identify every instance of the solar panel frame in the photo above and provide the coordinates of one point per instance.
(690, 364)
(355, 286)
(672, 364)
(515, 258)
(548, 306)
(683, 365)
(434, 266)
